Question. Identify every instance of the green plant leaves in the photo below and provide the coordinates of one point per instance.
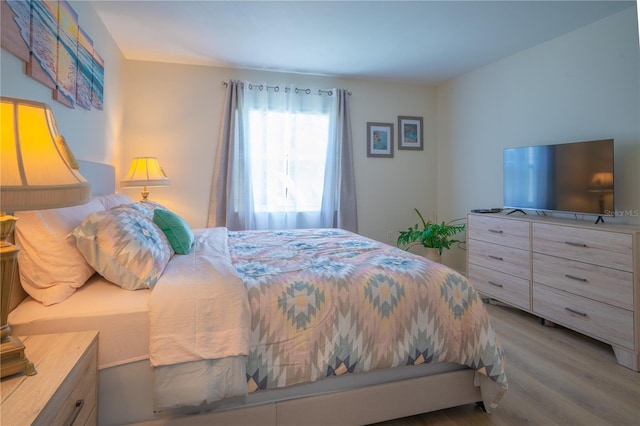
(432, 235)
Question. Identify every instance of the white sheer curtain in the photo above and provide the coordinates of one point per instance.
(284, 160)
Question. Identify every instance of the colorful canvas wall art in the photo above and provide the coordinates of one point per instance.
(16, 27)
(58, 53)
(67, 59)
(44, 42)
(97, 81)
(85, 70)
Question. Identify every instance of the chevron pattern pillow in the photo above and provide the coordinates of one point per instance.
(124, 246)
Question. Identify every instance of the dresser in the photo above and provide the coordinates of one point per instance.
(64, 391)
(574, 273)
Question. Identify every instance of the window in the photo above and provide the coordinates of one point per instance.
(284, 160)
(288, 153)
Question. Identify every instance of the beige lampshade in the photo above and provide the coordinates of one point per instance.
(37, 166)
(601, 182)
(145, 171)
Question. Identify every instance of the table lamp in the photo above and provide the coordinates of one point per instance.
(38, 172)
(145, 171)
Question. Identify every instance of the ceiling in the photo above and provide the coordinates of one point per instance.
(423, 42)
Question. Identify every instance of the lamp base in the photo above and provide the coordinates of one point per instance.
(145, 195)
(13, 359)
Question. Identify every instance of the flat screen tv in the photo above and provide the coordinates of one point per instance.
(572, 177)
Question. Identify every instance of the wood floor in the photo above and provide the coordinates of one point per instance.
(556, 377)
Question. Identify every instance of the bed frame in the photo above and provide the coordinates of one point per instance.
(125, 391)
(363, 405)
(125, 398)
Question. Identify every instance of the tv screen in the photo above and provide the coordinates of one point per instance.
(573, 177)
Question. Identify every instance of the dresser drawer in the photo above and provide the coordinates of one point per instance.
(504, 287)
(500, 258)
(75, 401)
(606, 285)
(498, 230)
(604, 248)
(600, 320)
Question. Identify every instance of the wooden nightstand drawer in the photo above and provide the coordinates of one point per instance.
(602, 321)
(498, 230)
(504, 287)
(75, 401)
(606, 285)
(67, 373)
(500, 258)
(609, 249)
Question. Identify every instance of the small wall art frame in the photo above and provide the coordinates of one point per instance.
(380, 140)
(410, 133)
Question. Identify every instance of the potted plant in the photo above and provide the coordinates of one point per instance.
(433, 236)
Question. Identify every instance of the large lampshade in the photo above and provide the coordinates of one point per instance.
(145, 171)
(37, 168)
(38, 172)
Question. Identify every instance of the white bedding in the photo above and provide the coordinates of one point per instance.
(199, 326)
(199, 292)
(199, 308)
(123, 322)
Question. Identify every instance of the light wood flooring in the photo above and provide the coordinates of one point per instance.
(556, 377)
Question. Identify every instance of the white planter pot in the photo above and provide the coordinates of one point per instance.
(429, 253)
(432, 254)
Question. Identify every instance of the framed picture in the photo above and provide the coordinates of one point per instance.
(410, 133)
(380, 140)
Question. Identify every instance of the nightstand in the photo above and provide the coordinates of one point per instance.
(65, 389)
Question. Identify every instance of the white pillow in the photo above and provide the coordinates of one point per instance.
(51, 266)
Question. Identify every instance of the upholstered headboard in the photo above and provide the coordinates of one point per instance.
(102, 179)
(101, 176)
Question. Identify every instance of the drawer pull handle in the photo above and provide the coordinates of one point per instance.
(571, 243)
(495, 284)
(496, 231)
(75, 412)
(573, 277)
(495, 257)
(573, 311)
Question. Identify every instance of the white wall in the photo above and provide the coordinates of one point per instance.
(580, 86)
(174, 113)
(91, 135)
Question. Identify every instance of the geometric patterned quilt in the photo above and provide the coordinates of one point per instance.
(328, 302)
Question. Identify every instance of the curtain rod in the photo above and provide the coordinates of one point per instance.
(287, 89)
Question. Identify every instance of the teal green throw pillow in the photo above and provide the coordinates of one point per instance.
(177, 231)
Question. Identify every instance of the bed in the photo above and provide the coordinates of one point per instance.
(301, 326)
